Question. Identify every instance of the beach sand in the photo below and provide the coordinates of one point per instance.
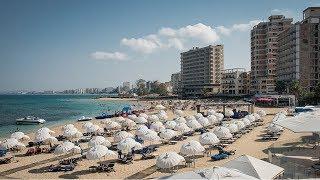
(247, 144)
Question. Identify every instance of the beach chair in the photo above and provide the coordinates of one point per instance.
(218, 157)
(6, 160)
(30, 152)
(147, 156)
(3, 152)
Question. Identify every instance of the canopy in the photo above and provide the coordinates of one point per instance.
(98, 152)
(211, 173)
(191, 148)
(307, 122)
(255, 167)
(169, 160)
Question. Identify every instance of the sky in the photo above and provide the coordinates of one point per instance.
(59, 44)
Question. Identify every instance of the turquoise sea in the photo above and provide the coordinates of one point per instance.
(55, 109)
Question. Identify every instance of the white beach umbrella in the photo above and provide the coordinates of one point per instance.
(20, 146)
(211, 112)
(68, 126)
(204, 121)
(128, 123)
(256, 116)
(194, 124)
(178, 113)
(162, 116)
(45, 130)
(9, 143)
(119, 119)
(132, 116)
(76, 150)
(140, 120)
(191, 148)
(160, 107)
(150, 136)
(262, 113)
(141, 129)
(20, 136)
(273, 128)
(167, 134)
(126, 145)
(121, 135)
(229, 113)
(72, 133)
(111, 125)
(143, 115)
(246, 121)
(98, 152)
(94, 129)
(220, 173)
(233, 128)
(208, 138)
(50, 140)
(182, 127)
(250, 117)
(153, 118)
(41, 137)
(86, 125)
(219, 116)
(240, 124)
(99, 140)
(222, 132)
(189, 118)
(180, 120)
(213, 119)
(169, 160)
(170, 124)
(63, 148)
(198, 116)
(157, 126)
(162, 112)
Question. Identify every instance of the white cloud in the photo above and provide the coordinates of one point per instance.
(167, 32)
(177, 38)
(287, 13)
(108, 56)
(200, 32)
(246, 26)
(223, 30)
(144, 45)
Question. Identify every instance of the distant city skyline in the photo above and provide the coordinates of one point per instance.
(58, 45)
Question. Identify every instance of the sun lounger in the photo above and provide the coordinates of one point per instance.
(218, 157)
(6, 160)
(147, 156)
(3, 152)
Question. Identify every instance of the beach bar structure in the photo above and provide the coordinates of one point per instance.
(250, 106)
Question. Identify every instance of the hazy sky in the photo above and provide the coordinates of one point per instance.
(55, 44)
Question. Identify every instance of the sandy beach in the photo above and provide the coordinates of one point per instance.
(34, 166)
(117, 99)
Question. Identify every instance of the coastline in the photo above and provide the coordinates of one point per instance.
(117, 99)
(139, 166)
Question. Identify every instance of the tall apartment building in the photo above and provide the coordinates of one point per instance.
(264, 52)
(299, 51)
(201, 70)
(176, 83)
(235, 82)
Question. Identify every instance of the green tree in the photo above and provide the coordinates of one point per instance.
(280, 87)
(295, 88)
(317, 92)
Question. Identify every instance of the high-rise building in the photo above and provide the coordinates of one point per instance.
(264, 53)
(235, 82)
(176, 83)
(299, 57)
(201, 70)
(126, 86)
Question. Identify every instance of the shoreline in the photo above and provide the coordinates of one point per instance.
(117, 99)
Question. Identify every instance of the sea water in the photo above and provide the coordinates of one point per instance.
(55, 109)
